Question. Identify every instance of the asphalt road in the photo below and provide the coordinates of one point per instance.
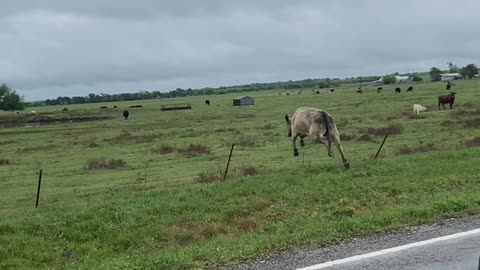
(457, 253)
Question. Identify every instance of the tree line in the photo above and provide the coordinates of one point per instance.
(468, 71)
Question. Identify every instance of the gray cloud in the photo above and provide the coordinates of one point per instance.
(56, 47)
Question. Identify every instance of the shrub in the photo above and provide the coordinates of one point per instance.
(164, 149)
(97, 164)
(248, 170)
(194, 149)
(4, 162)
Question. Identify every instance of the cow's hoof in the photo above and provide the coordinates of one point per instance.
(302, 143)
(295, 153)
(346, 165)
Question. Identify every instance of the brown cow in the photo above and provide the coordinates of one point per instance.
(319, 126)
(446, 99)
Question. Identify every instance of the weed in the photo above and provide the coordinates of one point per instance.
(473, 142)
(268, 126)
(4, 162)
(248, 170)
(247, 223)
(164, 149)
(208, 177)
(194, 149)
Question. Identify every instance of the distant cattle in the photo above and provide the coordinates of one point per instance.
(318, 92)
(379, 89)
(125, 114)
(114, 106)
(410, 89)
(64, 109)
(319, 126)
(136, 106)
(446, 99)
(417, 109)
(332, 90)
(279, 93)
(398, 90)
(103, 107)
(360, 91)
(288, 94)
(207, 102)
(299, 92)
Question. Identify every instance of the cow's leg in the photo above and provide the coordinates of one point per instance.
(443, 105)
(327, 143)
(451, 104)
(294, 140)
(302, 143)
(346, 164)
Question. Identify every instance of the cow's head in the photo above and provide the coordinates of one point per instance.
(289, 125)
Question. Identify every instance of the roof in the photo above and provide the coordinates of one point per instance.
(451, 74)
(242, 97)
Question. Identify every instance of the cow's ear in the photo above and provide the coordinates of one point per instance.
(287, 118)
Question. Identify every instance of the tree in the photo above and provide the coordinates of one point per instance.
(435, 74)
(389, 79)
(469, 71)
(9, 99)
(417, 79)
(452, 68)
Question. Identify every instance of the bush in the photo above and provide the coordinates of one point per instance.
(4, 162)
(194, 149)
(164, 149)
(9, 99)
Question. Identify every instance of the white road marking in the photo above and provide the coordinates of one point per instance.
(390, 250)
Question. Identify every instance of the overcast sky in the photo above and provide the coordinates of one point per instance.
(69, 47)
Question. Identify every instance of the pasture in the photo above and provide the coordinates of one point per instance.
(146, 193)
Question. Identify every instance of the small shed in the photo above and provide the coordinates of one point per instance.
(451, 76)
(244, 100)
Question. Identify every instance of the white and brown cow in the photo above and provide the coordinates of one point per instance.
(319, 126)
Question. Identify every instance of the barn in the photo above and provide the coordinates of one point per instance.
(244, 100)
(451, 76)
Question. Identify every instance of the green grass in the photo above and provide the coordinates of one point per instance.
(153, 212)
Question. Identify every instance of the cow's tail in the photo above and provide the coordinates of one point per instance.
(328, 121)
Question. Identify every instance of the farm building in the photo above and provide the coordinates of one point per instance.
(244, 100)
(451, 76)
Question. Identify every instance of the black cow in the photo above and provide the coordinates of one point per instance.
(136, 106)
(114, 106)
(318, 92)
(410, 89)
(65, 109)
(103, 107)
(398, 90)
(125, 115)
(379, 89)
(207, 102)
(332, 90)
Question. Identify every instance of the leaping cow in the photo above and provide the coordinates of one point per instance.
(319, 126)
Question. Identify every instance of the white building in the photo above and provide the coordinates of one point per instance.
(451, 76)
(402, 79)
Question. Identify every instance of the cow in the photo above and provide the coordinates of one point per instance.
(379, 89)
(288, 94)
(417, 109)
(446, 99)
(114, 106)
(318, 92)
(299, 92)
(207, 102)
(64, 109)
(332, 90)
(136, 106)
(360, 91)
(103, 107)
(410, 88)
(398, 90)
(319, 126)
(125, 114)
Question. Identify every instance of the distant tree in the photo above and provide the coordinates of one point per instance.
(9, 99)
(417, 79)
(389, 79)
(452, 68)
(469, 71)
(435, 74)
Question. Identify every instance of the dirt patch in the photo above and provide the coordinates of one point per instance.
(208, 177)
(194, 150)
(164, 149)
(405, 150)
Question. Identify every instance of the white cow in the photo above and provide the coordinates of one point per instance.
(417, 108)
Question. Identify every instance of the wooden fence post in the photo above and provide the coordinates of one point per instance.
(228, 162)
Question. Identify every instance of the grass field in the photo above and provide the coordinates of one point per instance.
(145, 193)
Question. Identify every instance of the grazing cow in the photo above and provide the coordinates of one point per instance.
(136, 106)
(207, 102)
(64, 109)
(318, 92)
(288, 94)
(446, 99)
(410, 89)
(319, 126)
(398, 90)
(379, 89)
(417, 109)
(114, 106)
(332, 90)
(299, 92)
(360, 91)
(125, 115)
(103, 107)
